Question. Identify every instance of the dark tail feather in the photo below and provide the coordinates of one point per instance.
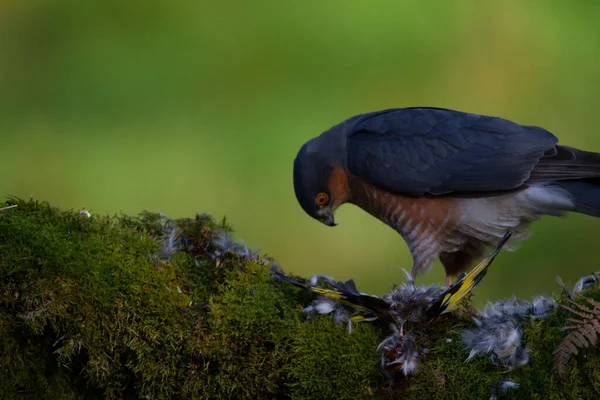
(585, 194)
(565, 163)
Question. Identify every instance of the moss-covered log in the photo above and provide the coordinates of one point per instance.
(130, 307)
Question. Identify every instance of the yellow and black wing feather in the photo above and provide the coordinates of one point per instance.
(344, 293)
(455, 293)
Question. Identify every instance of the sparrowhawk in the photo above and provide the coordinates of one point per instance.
(451, 183)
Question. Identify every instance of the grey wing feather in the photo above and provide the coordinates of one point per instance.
(420, 151)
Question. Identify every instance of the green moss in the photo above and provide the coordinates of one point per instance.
(250, 324)
(328, 362)
(90, 307)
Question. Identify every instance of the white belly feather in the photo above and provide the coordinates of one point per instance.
(488, 218)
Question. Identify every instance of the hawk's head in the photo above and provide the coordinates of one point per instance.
(320, 181)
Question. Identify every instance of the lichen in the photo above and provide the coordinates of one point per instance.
(139, 306)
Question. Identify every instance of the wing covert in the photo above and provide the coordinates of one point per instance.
(435, 151)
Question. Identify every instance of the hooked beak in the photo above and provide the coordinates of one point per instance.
(329, 220)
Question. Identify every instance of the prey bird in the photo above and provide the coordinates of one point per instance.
(451, 183)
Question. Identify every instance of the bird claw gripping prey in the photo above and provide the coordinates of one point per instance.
(407, 302)
(451, 183)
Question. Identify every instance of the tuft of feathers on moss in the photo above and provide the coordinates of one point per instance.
(146, 306)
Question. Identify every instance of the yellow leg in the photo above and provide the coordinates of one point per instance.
(449, 279)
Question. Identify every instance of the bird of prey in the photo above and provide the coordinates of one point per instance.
(451, 183)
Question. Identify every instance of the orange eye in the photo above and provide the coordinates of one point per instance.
(321, 199)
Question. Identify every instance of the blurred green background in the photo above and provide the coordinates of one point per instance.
(184, 107)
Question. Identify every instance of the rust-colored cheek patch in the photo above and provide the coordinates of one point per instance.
(338, 186)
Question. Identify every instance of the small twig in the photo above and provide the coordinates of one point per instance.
(6, 208)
